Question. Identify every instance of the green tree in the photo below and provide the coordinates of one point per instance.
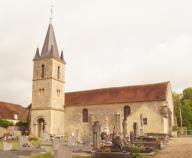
(183, 101)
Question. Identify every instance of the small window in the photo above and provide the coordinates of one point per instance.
(58, 92)
(58, 72)
(41, 91)
(85, 115)
(127, 111)
(145, 121)
(15, 116)
(42, 71)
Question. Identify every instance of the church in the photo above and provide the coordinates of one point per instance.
(141, 108)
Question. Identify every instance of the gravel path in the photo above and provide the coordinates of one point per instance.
(176, 148)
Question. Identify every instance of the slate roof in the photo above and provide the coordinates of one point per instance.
(7, 111)
(50, 45)
(114, 95)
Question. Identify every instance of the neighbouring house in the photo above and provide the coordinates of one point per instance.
(13, 113)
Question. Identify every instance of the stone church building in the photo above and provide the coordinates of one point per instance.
(141, 108)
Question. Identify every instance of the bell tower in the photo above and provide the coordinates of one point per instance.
(47, 111)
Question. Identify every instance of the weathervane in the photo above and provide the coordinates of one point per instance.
(51, 16)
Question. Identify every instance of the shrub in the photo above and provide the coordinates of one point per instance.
(5, 123)
(22, 124)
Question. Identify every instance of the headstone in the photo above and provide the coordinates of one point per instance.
(62, 152)
(46, 138)
(23, 141)
(132, 137)
(56, 143)
(71, 141)
(7, 146)
(96, 135)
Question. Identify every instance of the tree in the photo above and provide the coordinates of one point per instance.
(183, 101)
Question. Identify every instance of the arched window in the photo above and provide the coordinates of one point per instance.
(127, 111)
(58, 72)
(85, 115)
(42, 71)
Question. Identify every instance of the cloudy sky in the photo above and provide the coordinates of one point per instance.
(106, 43)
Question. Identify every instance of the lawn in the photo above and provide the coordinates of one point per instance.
(48, 155)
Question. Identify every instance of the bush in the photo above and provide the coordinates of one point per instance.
(5, 123)
(22, 124)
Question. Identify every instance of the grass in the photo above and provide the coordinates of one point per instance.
(46, 155)
(14, 143)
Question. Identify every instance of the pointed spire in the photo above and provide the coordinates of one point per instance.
(50, 48)
(36, 54)
(62, 57)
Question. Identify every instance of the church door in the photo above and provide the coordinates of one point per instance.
(40, 127)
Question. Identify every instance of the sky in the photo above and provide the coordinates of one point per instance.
(106, 43)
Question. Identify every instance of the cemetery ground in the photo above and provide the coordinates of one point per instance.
(176, 148)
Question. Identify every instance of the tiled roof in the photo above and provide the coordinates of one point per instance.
(7, 111)
(128, 94)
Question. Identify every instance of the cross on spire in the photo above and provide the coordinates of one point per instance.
(51, 16)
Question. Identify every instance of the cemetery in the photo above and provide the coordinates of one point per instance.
(102, 145)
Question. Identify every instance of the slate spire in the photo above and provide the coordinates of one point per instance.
(36, 54)
(50, 48)
(62, 57)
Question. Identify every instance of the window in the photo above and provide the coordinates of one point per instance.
(15, 116)
(42, 71)
(58, 72)
(41, 91)
(85, 115)
(58, 92)
(127, 111)
(145, 121)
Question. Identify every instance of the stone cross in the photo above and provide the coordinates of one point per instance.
(96, 135)
(132, 137)
(124, 124)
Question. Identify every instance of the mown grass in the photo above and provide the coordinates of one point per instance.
(46, 155)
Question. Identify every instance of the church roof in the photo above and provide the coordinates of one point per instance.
(7, 111)
(114, 95)
(50, 48)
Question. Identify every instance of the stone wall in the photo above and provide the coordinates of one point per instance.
(106, 115)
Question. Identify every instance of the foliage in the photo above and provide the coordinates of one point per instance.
(183, 102)
(175, 128)
(22, 124)
(5, 123)
(137, 155)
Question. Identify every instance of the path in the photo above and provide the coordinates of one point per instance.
(176, 148)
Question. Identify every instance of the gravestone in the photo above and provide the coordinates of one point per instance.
(23, 142)
(56, 143)
(71, 141)
(96, 135)
(46, 139)
(62, 152)
(7, 146)
(132, 137)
